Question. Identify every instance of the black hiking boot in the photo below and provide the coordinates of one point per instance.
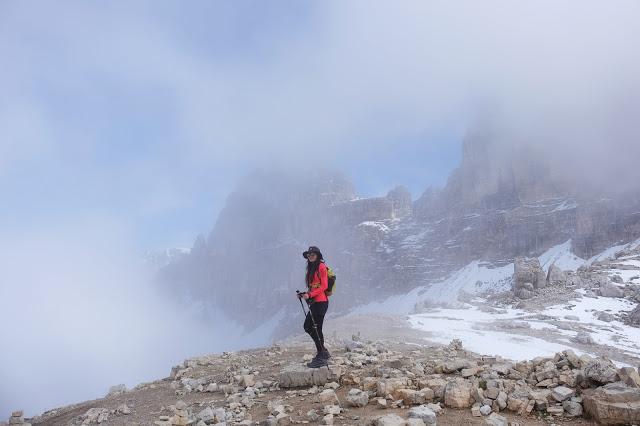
(324, 354)
(317, 362)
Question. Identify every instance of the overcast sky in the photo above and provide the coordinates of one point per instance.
(145, 114)
(124, 125)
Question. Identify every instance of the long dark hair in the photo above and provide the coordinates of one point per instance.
(312, 268)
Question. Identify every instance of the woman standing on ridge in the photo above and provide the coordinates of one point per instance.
(317, 284)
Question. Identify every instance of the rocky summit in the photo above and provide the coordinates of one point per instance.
(369, 383)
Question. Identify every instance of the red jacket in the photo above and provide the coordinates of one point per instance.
(319, 284)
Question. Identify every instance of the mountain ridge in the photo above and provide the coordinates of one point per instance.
(497, 205)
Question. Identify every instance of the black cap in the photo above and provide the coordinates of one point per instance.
(312, 249)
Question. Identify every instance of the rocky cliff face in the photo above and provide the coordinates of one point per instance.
(498, 205)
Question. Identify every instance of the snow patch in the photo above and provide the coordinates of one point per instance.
(378, 225)
(444, 325)
(475, 278)
(562, 257)
(611, 252)
(614, 333)
(415, 239)
(479, 329)
(566, 205)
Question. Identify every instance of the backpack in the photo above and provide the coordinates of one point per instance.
(331, 281)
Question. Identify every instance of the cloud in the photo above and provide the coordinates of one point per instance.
(365, 76)
(25, 135)
(80, 315)
(349, 79)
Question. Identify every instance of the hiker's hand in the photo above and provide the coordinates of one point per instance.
(305, 296)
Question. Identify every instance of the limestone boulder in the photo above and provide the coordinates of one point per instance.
(634, 316)
(609, 289)
(613, 404)
(601, 370)
(357, 398)
(629, 376)
(423, 412)
(297, 375)
(556, 276)
(457, 394)
(528, 270)
(389, 420)
(389, 386)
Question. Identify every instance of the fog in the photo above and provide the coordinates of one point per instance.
(229, 88)
(123, 127)
(80, 314)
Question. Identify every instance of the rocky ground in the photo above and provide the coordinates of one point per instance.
(387, 370)
(391, 381)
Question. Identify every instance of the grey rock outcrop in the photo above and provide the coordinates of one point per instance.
(572, 408)
(601, 370)
(634, 316)
(357, 398)
(117, 390)
(584, 338)
(297, 375)
(423, 412)
(629, 376)
(95, 416)
(528, 276)
(457, 394)
(401, 201)
(389, 420)
(609, 289)
(556, 276)
(613, 404)
(617, 279)
(496, 420)
(18, 419)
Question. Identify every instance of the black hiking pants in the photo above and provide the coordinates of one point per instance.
(318, 310)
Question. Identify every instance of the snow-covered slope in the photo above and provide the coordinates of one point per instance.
(611, 252)
(476, 278)
(456, 308)
(562, 257)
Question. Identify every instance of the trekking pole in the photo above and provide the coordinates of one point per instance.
(301, 304)
(313, 321)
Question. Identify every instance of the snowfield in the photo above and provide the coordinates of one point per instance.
(613, 333)
(457, 308)
(516, 334)
(472, 326)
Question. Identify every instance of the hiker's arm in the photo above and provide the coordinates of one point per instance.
(324, 282)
